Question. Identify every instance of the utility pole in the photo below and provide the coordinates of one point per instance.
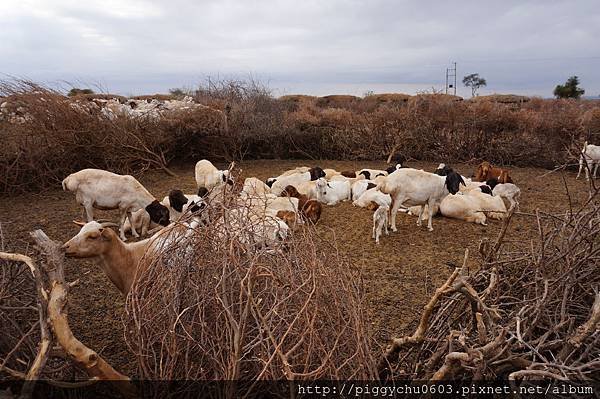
(451, 78)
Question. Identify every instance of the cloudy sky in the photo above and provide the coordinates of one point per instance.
(309, 46)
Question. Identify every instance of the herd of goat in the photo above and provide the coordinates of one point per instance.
(279, 204)
(271, 208)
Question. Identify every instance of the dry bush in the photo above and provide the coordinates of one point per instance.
(212, 306)
(525, 314)
(58, 135)
(244, 120)
(338, 101)
(18, 318)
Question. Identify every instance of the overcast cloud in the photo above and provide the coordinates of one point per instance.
(310, 46)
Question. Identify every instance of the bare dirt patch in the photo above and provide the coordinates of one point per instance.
(400, 274)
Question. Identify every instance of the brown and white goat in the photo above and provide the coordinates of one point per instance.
(310, 209)
(486, 171)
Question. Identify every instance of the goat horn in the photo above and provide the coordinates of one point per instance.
(109, 224)
(78, 223)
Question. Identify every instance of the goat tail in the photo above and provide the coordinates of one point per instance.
(584, 147)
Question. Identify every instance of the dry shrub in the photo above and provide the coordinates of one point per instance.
(525, 314)
(59, 135)
(18, 318)
(211, 306)
(502, 98)
(98, 96)
(337, 101)
(245, 121)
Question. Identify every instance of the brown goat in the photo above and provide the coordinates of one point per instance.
(310, 209)
(288, 217)
(486, 171)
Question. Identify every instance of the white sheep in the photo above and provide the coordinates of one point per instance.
(95, 188)
(410, 187)
(591, 155)
(380, 222)
(208, 176)
(332, 192)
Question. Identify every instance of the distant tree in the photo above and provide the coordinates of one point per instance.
(177, 92)
(569, 89)
(75, 91)
(474, 82)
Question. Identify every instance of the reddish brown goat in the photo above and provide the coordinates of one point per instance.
(486, 171)
(310, 209)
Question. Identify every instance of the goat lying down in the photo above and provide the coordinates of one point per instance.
(410, 187)
(295, 179)
(471, 206)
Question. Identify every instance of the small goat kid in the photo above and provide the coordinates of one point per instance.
(380, 222)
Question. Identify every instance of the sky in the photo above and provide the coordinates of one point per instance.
(313, 47)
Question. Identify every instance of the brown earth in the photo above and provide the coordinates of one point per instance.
(400, 273)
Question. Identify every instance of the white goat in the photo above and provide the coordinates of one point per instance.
(208, 176)
(463, 207)
(371, 174)
(100, 189)
(308, 188)
(178, 202)
(332, 192)
(380, 222)
(329, 173)
(360, 187)
(254, 187)
(409, 187)
(295, 179)
(493, 206)
(373, 196)
(591, 155)
(507, 191)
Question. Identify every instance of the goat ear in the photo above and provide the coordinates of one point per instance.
(78, 223)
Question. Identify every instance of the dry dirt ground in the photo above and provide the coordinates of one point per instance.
(400, 273)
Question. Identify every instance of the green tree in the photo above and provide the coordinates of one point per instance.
(75, 91)
(569, 89)
(474, 82)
